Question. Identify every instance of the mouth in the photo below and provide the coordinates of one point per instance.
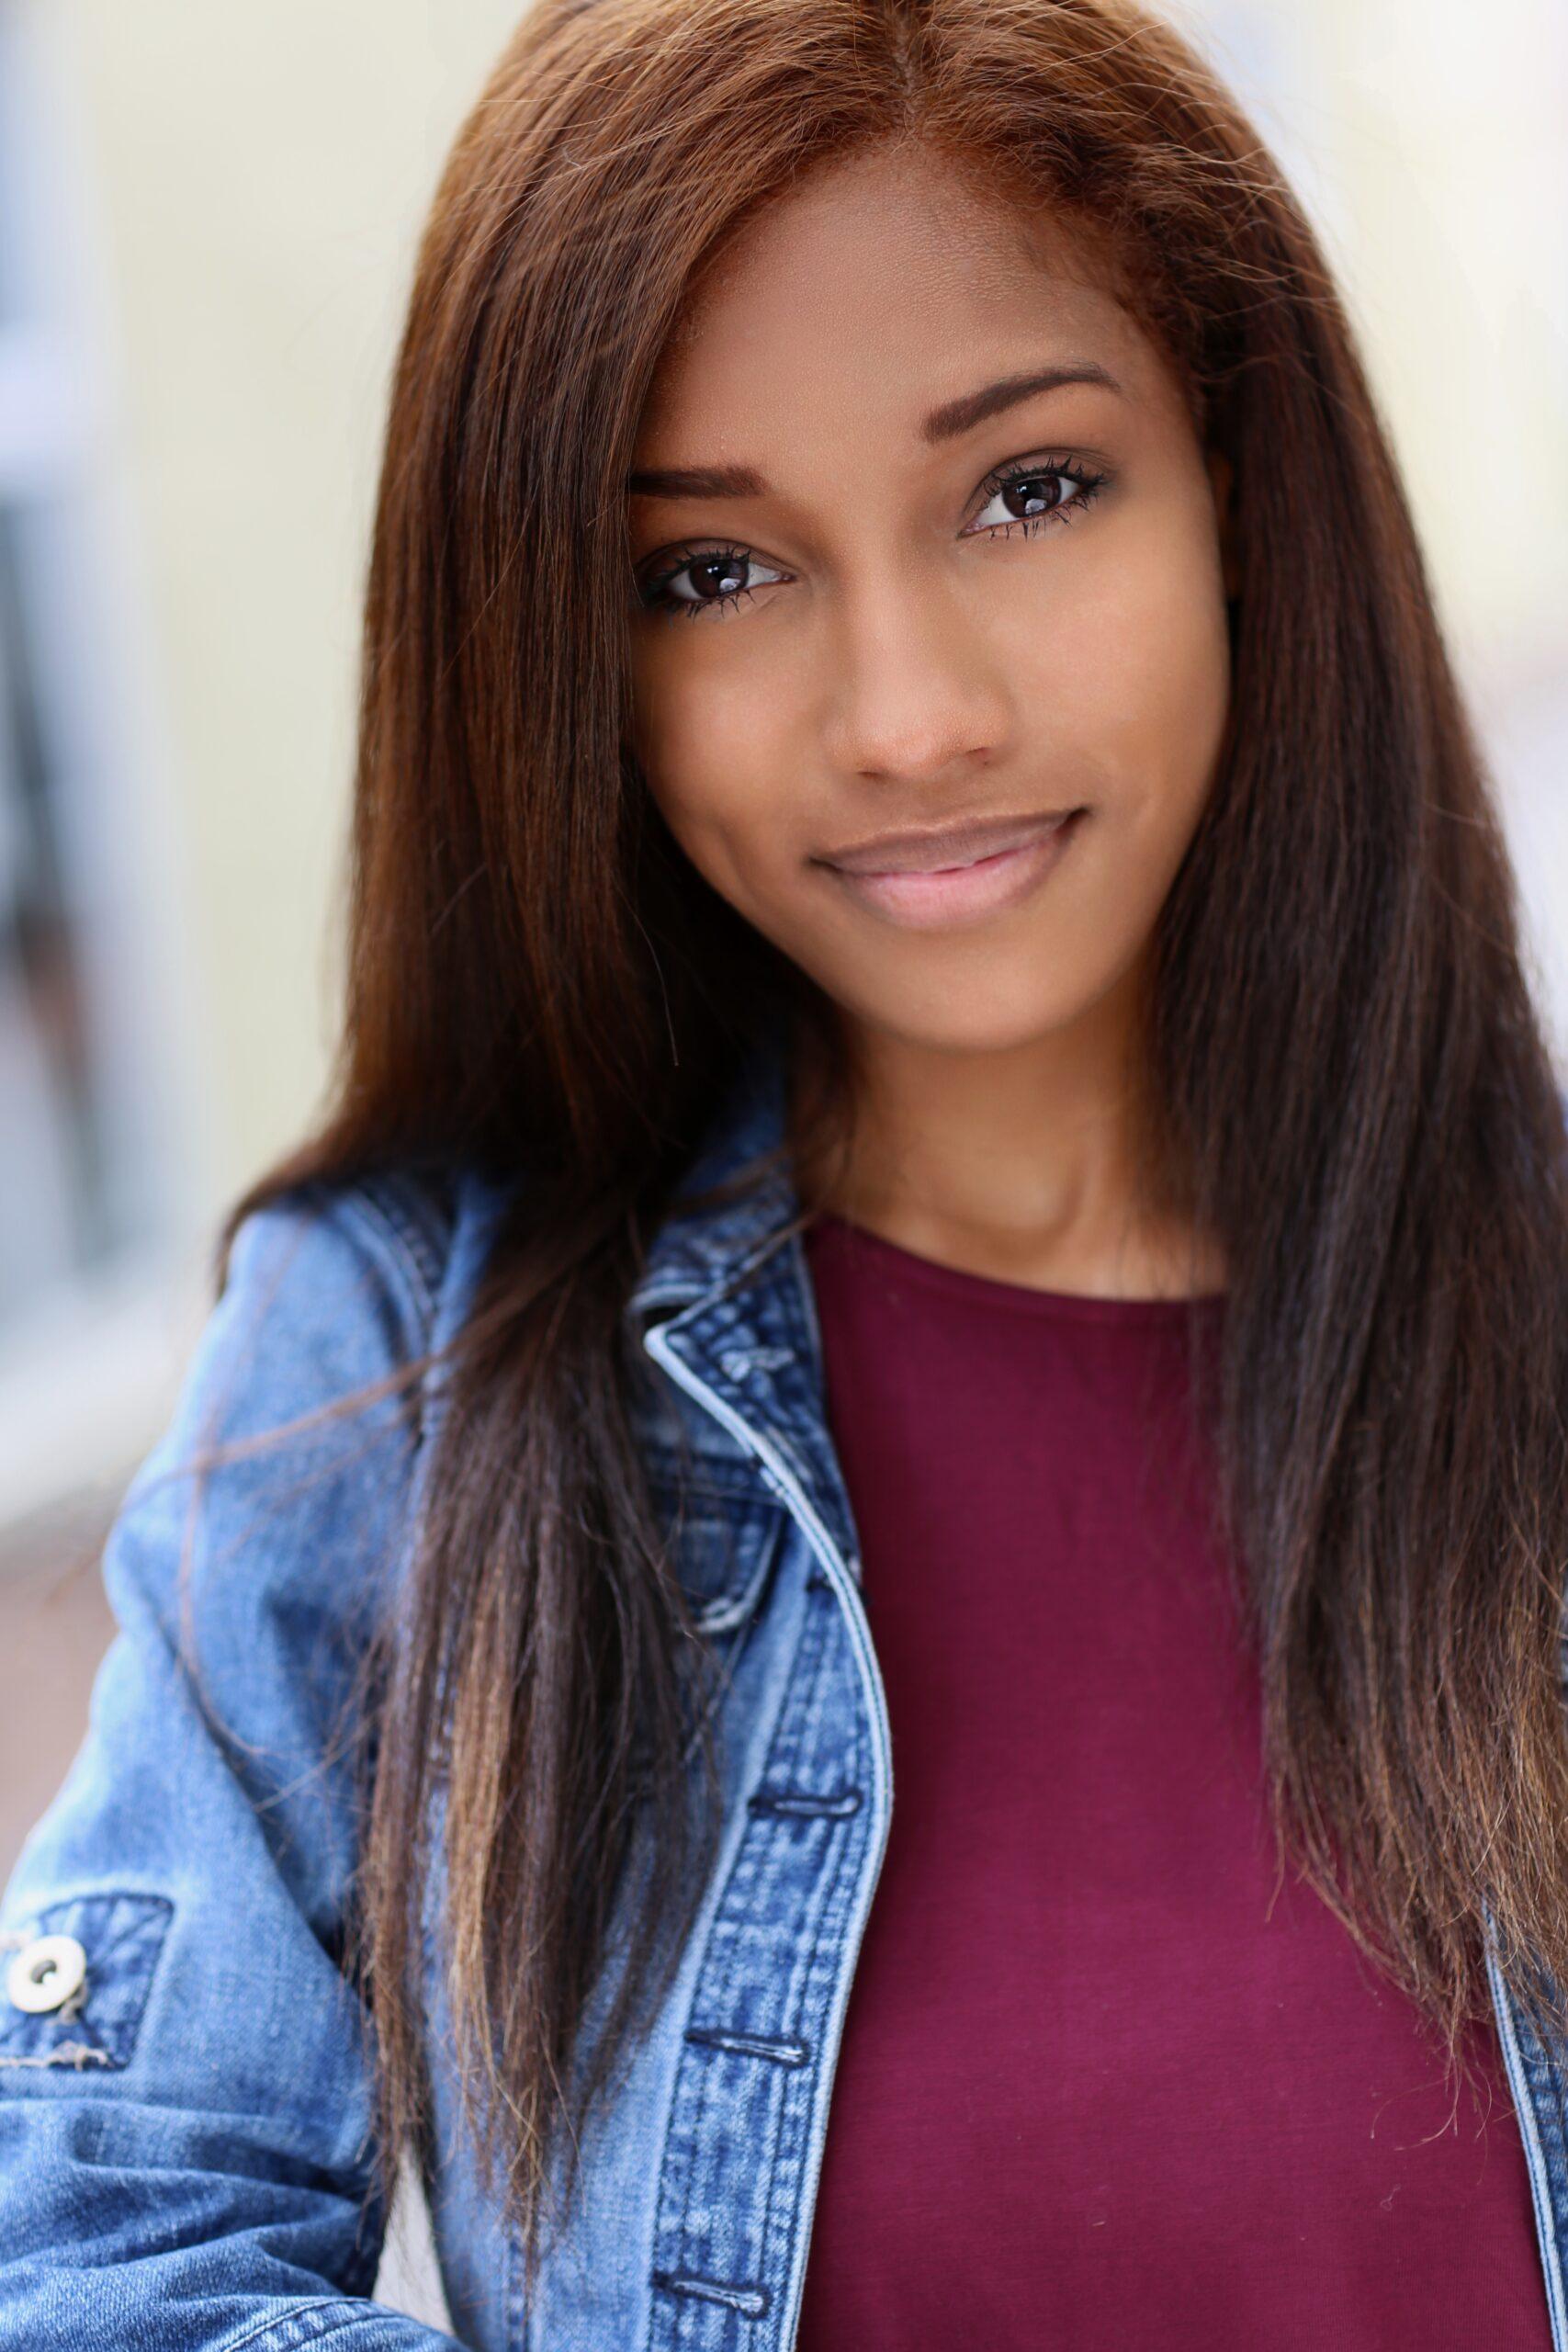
(933, 896)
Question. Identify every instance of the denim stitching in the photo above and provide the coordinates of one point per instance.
(64, 2053)
(813, 1670)
(751, 2046)
(393, 1258)
(751, 2301)
(738, 1891)
(425, 1258)
(138, 1926)
(330, 2319)
(808, 1804)
(773, 2225)
(818, 1670)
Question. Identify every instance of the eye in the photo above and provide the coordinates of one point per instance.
(1030, 493)
(721, 577)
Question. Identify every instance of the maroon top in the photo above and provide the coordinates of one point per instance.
(1102, 2082)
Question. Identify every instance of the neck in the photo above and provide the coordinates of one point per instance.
(1034, 1163)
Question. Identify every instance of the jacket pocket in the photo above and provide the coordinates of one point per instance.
(76, 1980)
(722, 1536)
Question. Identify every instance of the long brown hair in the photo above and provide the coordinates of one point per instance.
(1345, 1051)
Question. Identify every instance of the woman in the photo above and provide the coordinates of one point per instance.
(950, 1164)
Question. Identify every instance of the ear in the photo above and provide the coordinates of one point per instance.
(1222, 477)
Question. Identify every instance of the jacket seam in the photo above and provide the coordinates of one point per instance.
(781, 2222)
(425, 1235)
(397, 1254)
(331, 2318)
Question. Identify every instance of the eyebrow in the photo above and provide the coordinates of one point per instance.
(945, 423)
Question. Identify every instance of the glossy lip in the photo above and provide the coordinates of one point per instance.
(959, 842)
(933, 897)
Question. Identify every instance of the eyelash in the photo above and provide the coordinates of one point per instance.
(653, 592)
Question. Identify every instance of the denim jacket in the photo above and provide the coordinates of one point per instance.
(184, 2064)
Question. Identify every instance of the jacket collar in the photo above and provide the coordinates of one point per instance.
(724, 1301)
(697, 1249)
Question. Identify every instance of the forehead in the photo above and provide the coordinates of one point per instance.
(877, 284)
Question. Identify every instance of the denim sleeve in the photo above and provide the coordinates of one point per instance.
(185, 2088)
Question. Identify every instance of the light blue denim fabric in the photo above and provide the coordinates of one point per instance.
(183, 2139)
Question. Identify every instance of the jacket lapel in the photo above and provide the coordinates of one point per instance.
(724, 1311)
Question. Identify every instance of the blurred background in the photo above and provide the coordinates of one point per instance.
(207, 225)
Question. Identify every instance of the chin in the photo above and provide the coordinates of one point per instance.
(983, 1024)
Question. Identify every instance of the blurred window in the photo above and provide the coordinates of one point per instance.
(57, 1212)
(96, 1160)
(79, 1044)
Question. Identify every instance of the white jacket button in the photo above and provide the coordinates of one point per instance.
(45, 1974)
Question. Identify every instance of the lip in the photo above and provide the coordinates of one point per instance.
(930, 897)
(958, 843)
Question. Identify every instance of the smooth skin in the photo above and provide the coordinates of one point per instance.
(902, 645)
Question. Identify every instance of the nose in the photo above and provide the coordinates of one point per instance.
(916, 689)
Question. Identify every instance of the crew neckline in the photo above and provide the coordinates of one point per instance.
(990, 1290)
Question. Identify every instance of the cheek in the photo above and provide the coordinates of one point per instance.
(1165, 680)
(1136, 676)
(712, 766)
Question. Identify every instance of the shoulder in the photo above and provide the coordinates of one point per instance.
(316, 1349)
(297, 1426)
(335, 1283)
(328, 1245)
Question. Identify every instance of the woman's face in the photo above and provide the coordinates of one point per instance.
(922, 596)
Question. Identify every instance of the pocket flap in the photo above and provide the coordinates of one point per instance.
(723, 1535)
(75, 1977)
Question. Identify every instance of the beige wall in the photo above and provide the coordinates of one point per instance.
(1433, 139)
(258, 175)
